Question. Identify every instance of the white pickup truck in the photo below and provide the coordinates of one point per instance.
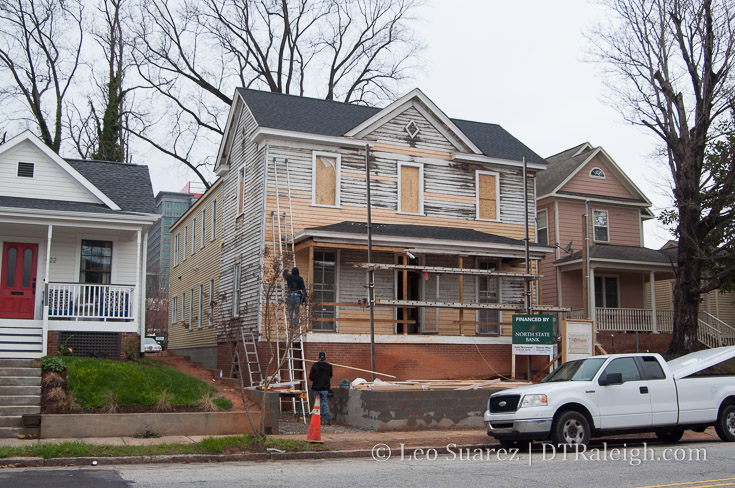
(621, 393)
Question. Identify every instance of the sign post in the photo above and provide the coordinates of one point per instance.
(533, 335)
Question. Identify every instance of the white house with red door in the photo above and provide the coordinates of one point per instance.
(73, 240)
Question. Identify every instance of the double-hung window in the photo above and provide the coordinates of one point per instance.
(606, 292)
(214, 218)
(186, 240)
(241, 190)
(542, 226)
(325, 290)
(236, 290)
(325, 179)
(601, 227)
(211, 302)
(96, 262)
(203, 235)
(191, 308)
(201, 305)
(194, 236)
(174, 309)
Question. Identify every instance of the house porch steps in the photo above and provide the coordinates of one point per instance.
(20, 394)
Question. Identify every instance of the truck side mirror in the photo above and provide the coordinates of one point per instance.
(611, 379)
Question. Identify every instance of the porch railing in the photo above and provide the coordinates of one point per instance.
(80, 301)
(628, 319)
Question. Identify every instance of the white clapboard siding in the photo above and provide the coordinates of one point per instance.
(50, 181)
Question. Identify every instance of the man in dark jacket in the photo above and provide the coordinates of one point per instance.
(296, 294)
(321, 375)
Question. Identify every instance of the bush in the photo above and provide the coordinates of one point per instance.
(131, 349)
(223, 403)
(53, 363)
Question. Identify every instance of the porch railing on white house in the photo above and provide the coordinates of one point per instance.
(628, 319)
(81, 301)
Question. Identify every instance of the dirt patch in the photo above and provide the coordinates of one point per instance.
(55, 397)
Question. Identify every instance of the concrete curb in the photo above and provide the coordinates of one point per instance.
(208, 458)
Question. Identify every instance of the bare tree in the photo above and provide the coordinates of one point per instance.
(193, 54)
(673, 65)
(40, 48)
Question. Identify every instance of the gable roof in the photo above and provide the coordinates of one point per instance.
(128, 185)
(332, 118)
(564, 165)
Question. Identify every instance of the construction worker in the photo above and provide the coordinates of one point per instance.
(296, 295)
(321, 376)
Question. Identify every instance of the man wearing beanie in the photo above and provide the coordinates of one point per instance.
(321, 376)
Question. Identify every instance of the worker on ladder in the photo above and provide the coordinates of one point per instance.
(296, 295)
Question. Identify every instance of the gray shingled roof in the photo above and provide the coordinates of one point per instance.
(330, 118)
(560, 166)
(58, 205)
(625, 253)
(128, 185)
(418, 231)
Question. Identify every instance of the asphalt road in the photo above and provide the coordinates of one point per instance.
(685, 464)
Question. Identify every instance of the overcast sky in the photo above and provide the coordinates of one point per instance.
(522, 64)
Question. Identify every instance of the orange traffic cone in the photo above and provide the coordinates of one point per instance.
(315, 424)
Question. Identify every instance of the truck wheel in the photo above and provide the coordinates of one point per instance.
(670, 435)
(570, 428)
(725, 424)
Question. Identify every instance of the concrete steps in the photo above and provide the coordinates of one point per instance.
(20, 394)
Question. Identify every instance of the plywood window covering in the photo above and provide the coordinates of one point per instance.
(488, 195)
(325, 179)
(542, 226)
(411, 187)
(241, 191)
(600, 222)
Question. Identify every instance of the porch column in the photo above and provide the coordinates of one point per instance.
(44, 310)
(141, 320)
(652, 281)
(592, 312)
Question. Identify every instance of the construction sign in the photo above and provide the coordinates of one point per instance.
(533, 335)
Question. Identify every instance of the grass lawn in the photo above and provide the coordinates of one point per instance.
(93, 381)
(210, 445)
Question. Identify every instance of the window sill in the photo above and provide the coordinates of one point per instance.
(325, 206)
(487, 220)
(410, 213)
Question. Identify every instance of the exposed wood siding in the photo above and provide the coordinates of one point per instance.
(198, 269)
(395, 131)
(50, 181)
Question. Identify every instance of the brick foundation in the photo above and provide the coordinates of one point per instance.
(622, 342)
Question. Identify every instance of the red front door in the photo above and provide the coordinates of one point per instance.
(18, 280)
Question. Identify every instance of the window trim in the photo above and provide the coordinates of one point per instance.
(175, 309)
(113, 256)
(200, 307)
(203, 230)
(193, 236)
(538, 226)
(337, 176)
(420, 166)
(177, 248)
(240, 191)
(603, 288)
(183, 307)
(337, 257)
(477, 195)
(594, 235)
(604, 176)
(191, 308)
(213, 232)
(186, 241)
(210, 317)
(236, 278)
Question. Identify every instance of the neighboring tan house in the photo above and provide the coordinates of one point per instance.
(716, 309)
(194, 278)
(586, 179)
(73, 237)
(447, 207)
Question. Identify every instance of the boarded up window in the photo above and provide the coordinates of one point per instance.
(487, 196)
(325, 187)
(410, 189)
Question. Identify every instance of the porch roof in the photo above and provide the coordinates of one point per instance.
(409, 236)
(632, 254)
(60, 206)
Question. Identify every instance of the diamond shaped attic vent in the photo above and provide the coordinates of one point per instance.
(412, 129)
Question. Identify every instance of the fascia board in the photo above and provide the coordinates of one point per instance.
(617, 262)
(226, 143)
(397, 107)
(28, 136)
(263, 133)
(475, 158)
(68, 218)
(405, 242)
(592, 198)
